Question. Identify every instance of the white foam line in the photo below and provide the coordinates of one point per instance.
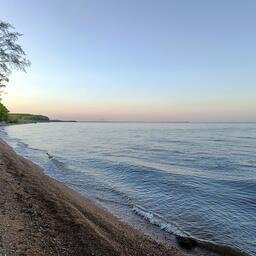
(157, 221)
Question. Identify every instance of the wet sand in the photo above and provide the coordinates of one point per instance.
(41, 216)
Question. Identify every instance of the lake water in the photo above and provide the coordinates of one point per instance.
(190, 179)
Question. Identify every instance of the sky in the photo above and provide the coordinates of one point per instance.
(135, 60)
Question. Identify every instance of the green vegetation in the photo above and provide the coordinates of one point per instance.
(3, 113)
(26, 118)
(12, 55)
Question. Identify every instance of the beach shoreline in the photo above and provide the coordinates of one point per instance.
(177, 243)
(42, 216)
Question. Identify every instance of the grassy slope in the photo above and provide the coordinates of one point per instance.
(26, 118)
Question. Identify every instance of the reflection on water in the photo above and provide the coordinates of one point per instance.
(198, 179)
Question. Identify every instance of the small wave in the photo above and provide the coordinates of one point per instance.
(111, 201)
(18, 143)
(22, 144)
(2, 131)
(247, 137)
(61, 166)
(56, 162)
(217, 140)
(171, 228)
(157, 220)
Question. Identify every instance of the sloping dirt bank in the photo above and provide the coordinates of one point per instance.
(41, 216)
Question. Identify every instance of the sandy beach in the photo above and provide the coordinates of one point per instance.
(127, 128)
(41, 216)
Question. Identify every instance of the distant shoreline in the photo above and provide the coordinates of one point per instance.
(122, 122)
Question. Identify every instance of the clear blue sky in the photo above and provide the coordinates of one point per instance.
(136, 59)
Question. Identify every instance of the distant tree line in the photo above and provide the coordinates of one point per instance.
(12, 57)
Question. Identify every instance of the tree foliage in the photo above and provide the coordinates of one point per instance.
(12, 55)
(3, 113)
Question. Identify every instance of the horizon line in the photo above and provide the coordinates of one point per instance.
(170, 122)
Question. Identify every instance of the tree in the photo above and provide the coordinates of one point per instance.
(12, 55)
(3, 113)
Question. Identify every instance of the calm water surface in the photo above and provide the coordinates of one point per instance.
(192, 179)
